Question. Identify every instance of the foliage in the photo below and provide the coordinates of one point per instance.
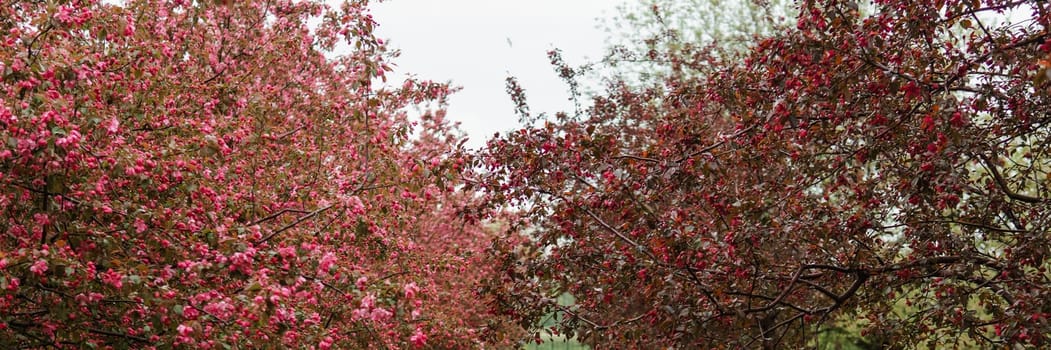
(651, 38)
(888, 169)
(209, 174)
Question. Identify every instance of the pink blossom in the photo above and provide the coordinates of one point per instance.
(140, 225)
(190, 313)
(325, 343)
(410, 290)
(70, 140)
(380, 315)
(184, 332)
(64, 14)
(242, 260)
(91, 269)
(5, 113)
(368, 302)
(50, 328)
(356, 206)
(326, 262)
(112, 278)
(129, 28)
(291, 336)
(362, 282)
(418, 339)
(287, 252)
(39, 267)
(113, 125)
(41, 219)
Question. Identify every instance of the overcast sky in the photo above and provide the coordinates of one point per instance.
(476, 44)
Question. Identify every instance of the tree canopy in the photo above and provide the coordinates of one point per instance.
(880, 165)
(210, 174)
(233, 174)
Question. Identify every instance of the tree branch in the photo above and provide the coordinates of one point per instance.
(119, 335)
(294, 223)
(1003, 183)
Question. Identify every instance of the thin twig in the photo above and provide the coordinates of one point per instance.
(1003, 184)
(294, 223)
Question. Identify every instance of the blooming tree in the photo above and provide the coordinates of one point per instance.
(210, 174)
(881, 164)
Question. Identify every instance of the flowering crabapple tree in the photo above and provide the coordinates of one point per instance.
(882, 164)
(211, 174)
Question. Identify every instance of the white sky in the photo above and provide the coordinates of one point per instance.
(476, 44)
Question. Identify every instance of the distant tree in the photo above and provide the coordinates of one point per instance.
(647, 36)
(210, 174)
(889, 168)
